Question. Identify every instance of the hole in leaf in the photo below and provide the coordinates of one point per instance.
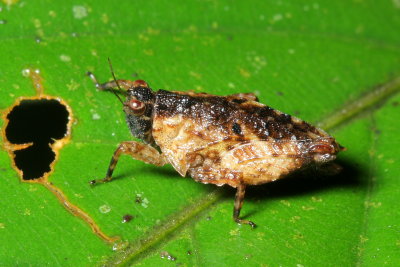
(40, 122)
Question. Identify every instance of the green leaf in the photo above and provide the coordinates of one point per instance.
(335, 63)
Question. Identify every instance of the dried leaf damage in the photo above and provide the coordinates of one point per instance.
(55, 145)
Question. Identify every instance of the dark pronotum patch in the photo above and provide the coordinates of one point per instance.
(40, 122)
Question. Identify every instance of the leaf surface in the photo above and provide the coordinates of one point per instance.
(326, 63)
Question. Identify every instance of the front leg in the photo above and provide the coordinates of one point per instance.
(136, 150)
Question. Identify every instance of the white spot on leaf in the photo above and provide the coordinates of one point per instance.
(96, 116)
(65, 58)
(79, 12)
(104, 209)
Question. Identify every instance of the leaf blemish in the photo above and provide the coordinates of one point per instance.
(167, 255)
(36, 128)
(104, 209)
(79, 12)
(127, 218)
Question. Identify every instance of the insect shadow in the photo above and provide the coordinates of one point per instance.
(140, 172)
(306, 182)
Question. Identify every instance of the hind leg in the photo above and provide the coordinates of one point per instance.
(238, 206)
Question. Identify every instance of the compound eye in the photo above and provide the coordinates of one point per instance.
(136, 106)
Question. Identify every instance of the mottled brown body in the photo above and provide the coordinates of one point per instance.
(232, 140)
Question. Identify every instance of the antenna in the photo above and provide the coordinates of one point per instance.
(116, 82)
